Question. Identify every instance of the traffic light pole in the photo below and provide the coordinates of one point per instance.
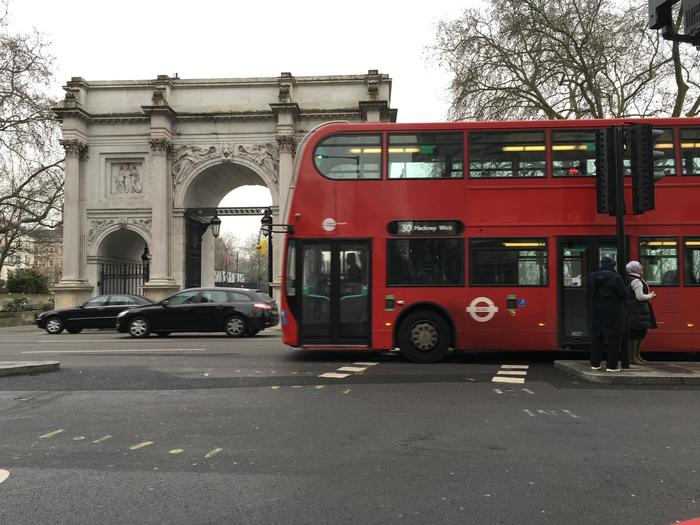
(620, 223)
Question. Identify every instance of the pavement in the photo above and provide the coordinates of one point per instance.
(654, 373)
(15, 368)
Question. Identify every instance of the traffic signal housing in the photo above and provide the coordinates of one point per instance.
(605, 169)
(642, 158)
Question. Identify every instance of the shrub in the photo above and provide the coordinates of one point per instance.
(17, 304)
(27, 280)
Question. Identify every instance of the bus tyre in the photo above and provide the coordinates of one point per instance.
(139, 327)
(424, 337)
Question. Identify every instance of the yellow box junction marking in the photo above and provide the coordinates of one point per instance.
(176, 451)
(51, 434)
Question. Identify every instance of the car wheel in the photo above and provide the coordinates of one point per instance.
(162, 334)
(139, 327)
(74, 330)
(252, 332)
(235, 326)
(54, 325)
(424, 337)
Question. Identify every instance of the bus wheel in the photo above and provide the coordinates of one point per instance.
(424, 337)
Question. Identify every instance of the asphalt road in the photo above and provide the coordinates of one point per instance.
(191, 429)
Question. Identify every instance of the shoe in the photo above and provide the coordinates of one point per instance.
(595, 368)
(613, 369)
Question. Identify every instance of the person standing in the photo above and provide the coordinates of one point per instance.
(640, 314)
(608, 300)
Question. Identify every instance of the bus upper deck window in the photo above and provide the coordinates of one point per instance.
(349, 157)
(573, 153)
(507, 154)
(690, 151)
(426, 156)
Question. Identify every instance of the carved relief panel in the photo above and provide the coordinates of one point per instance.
(126, 177)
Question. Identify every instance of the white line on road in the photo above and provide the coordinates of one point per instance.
(516, 367)
(365, 364)
(141, 445)
(103, 438)
(4, 474)
(114, 351)
(529, 413)
(352, 369)
(528, 391)
(502, 379)
(570, 413)
(51, 434)
(498, 390)
(213, 453)
(333, 375)
(512, 372)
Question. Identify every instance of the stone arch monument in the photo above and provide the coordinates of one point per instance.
(139, 153)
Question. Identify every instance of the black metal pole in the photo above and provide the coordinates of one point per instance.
(620, 222)
(269, 263)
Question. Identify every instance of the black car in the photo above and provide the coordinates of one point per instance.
(237, 311)
(98, 312)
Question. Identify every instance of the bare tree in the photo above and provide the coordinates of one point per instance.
(31, 162)
(565, 59)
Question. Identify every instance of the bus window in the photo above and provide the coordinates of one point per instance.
(427, 262)
(513, 262)
(692, 262)
(350, 157)
(690, 151)
(659, 257)
(573, 153)
(507, 154)
(426, 156)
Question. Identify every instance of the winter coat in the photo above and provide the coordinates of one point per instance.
(608, 299)
(640, 314)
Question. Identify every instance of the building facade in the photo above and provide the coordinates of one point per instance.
(143, 156)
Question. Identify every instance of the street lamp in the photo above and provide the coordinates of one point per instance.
(266, 227)
(146, 263)
(215, 224)
(266, 223)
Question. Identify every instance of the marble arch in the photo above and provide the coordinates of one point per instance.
(136, 149)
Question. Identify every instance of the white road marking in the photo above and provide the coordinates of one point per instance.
(547, 412)
(516, 367)
(529, 413)
(213, 453)
(115, 351)
(176, 451)
(333, 375)
(352, 369)
(103, 438)
(498, 390)
(51, 434)
(366, 364)
(512, 372)
(141, 445)
(568, 412)
(502, 379)
(4, 474)
(528, 391)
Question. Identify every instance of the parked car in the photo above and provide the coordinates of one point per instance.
(237, 311)
(98, 312)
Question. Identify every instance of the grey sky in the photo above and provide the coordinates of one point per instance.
(131, 39)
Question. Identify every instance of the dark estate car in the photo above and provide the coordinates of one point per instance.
(98, 312)
(237, 311)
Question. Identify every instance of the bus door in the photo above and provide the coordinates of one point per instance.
(335, 292)
(577, 258)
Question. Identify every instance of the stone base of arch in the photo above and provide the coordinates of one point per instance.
(72, 293)
(159, 290)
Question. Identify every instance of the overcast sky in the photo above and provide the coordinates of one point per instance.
(131, 39)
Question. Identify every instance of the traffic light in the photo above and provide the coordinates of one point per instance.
(605, 169)
(262, 247)
(660, 14)
(642, 157)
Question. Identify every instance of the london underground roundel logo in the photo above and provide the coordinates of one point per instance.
(482, 309)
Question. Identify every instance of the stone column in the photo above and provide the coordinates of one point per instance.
(208, 258)
(73, 289)
(161, 283)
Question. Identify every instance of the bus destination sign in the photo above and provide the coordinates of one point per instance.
(426, 227)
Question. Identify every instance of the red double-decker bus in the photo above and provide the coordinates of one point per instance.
(476, 236)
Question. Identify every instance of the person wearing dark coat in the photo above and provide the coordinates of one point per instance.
(608, 302)
(640, 314)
